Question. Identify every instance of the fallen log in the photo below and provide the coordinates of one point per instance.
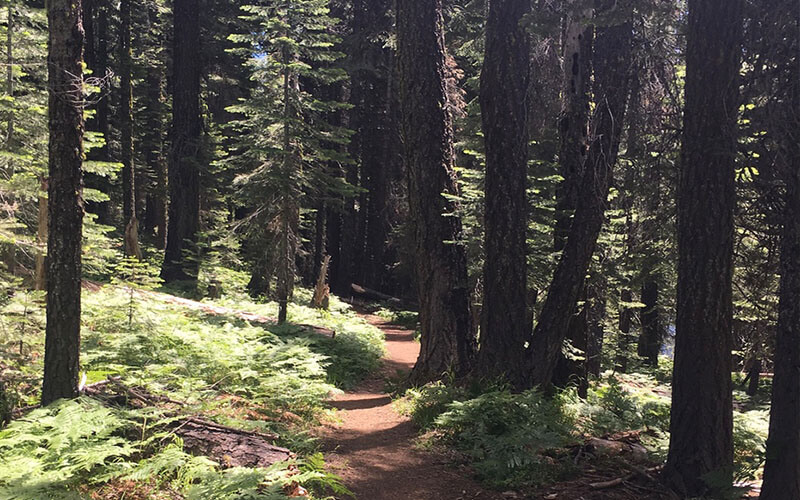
(229, 446)
(375, 295)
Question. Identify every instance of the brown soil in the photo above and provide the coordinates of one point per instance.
(373, 450)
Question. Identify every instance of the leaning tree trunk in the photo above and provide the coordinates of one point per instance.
(701, 422)
(441, 264)
(65, 200)
(782, 467)
(611, 60)
(573, 125)
(180, 263)
(504, 84)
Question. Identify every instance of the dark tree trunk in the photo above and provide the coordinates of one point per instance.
(126, 122)
(651, 338)
(65, 200)
(156, 207)
(427, 128)
(701, 423)
(504, 85)
(574, 120)
(754, 377)
(333, 245)
(623, 344)
(97, 61)
(319, 240)
(185, 157)
(782, 468)
(371, 79)
(573, 147)
(611, 61)
(596, 328)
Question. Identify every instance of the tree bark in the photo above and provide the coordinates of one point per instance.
(504, 85)
(65, 201)
(651, 338)
(597, 289)
(126, 118)
(180, 262)
(156, 206)
(623, 343)
(782, 467)
(611, 60)
(701, 434)
(441, 264)
(371, 78)
(574, 120)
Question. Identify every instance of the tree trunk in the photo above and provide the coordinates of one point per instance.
(651, 338)
(598, 286)
(573, 147)
(782, 467)
(701, 434)
(611, 59)
(290, 211)
(65, 200)
(185, 158)
(574, 120)
(156, 206)
(441, 265)
(10, 69)
(126, 128)
(623, 343)
(40, 263)
(504, 84)
(371, 79)
(98, 62)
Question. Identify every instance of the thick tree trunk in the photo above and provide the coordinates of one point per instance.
(782, 467)
(65, 200)
(180, 263)
(504, 85)
(611, 60)
(701, 434)
(441, 264)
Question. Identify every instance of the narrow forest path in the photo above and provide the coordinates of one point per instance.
(373, 447)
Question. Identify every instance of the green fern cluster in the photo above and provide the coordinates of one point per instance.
(504, 434)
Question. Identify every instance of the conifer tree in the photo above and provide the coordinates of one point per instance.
(65, 87)
(427, 130)
(285, 142)
(701, 442)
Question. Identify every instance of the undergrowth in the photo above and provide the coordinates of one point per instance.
(519, 440)
(248, 375)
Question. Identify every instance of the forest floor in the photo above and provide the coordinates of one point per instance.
(373, 447)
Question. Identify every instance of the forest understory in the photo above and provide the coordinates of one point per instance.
(213, 400)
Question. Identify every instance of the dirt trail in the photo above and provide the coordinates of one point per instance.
(373, 448)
